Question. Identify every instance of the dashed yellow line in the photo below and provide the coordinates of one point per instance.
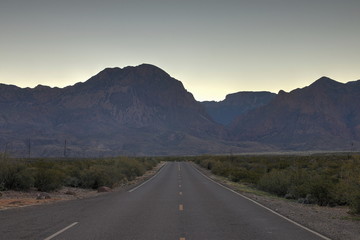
(181, 207)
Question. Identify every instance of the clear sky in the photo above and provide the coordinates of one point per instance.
(213, 47)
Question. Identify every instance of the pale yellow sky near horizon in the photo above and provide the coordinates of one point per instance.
(213, 47)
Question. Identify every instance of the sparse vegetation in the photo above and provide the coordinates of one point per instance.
(51, 174)
(320, 179)
(326, 180)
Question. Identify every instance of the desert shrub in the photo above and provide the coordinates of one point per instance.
(355, 202)
(51, 174)
(16, 176)
(97, 176)
(277, 182)
(3, 174)
(48, 179)
(325, 179)
(245, 175)
(237, 174)
(348, 188)
(130, 168)
(221, 168)
(70, 181)
(321, 190)
(148, 163)
(24, 179)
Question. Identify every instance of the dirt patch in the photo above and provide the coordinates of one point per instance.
(13, 199)
(333, 222)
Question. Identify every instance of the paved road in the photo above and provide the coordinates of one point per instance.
(178, 203)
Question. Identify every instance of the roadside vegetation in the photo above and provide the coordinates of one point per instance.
(52, 174)
(323, 179)
(326, 180)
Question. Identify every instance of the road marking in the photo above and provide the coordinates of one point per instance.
(182, 238)
(259, 204)
(61, 231)
(180, 193)
(131, 190)
(181, 207)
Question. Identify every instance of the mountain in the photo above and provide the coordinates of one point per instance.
(135, 110)
(142, 110)
(236, 104)
(322, 116)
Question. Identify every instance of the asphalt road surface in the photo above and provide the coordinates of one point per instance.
(178, 203)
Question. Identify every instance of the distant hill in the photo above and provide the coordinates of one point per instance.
(236, 104)
(322, 116)
(131, 111)
(144, 111)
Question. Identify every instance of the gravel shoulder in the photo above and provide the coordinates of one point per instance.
(15, 199)
(333, 222)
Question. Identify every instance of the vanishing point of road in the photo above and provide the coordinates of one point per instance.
(178, 203)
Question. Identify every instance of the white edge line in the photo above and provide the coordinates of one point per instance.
(61, 231)
(259, 204)
(131, 190)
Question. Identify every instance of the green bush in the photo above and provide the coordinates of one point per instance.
(321, 190)
(355, 202)
(15, 176)
(24, 179)
(51, 174)
(277, 182)
(96, 176)
(48, 179)
(323, 179)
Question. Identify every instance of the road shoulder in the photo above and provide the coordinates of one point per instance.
(16, 199)
(334, 222)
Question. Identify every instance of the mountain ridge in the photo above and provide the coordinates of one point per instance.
(117, 107)
(142, 110)
(316, 116)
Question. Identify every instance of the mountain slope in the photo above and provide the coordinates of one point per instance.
(134, 110)
(322, 116)
(236, 104)
(144, 111)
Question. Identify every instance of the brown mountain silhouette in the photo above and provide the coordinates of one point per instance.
(322, 116)
(135, 110)
(144, 111)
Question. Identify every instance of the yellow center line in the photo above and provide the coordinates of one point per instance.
(181, 207)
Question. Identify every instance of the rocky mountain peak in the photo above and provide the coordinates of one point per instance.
(325, 82)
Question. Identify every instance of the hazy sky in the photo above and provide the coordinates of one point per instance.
(213, 47)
